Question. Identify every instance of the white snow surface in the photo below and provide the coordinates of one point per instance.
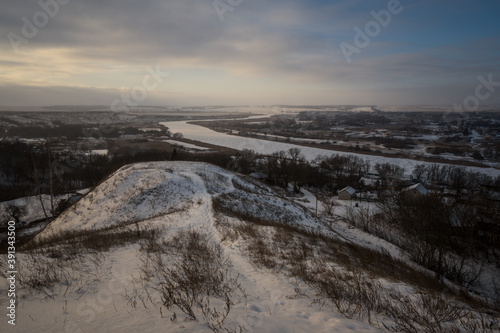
(144, 191)
(175, 196)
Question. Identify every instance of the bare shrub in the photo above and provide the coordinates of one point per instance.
(247, 230)
(53, 271)
(360, 217)
(197, 280)
(262, 254)
(345, 276)
(92, 240)
(350, 293)
(329, 203)
(226, 229)
(16, 212)
(434, 313)
(69, 261)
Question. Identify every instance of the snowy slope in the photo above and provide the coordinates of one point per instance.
(170, 196)
(144, 191)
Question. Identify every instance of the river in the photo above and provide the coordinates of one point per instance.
(203, 134)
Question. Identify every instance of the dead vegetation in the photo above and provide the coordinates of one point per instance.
(189, 276)
(52, 273)
(73, 242)
(71, 261)
(347, 278)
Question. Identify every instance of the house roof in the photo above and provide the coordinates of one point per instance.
(419, 187)
(368, 181)
(349, 190)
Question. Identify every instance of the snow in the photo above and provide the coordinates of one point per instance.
(150, 129)
(419, 187)
(144, 191)
(102, 308)
(280, 137)
(177, 196)
(309, 201)
(362, 109)
(368, 181)
(103, 152)
(174, 196)
(33, 205)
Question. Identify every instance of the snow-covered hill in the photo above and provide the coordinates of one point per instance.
(191, 247)
(146, 191)
(171, 197)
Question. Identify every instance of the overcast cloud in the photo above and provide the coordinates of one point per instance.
(263, 52)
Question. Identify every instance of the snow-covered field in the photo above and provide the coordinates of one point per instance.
(203, 134)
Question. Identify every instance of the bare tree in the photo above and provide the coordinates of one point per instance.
(329, 203)
(389, 172)
(37, 184)
(296, 167)
(419, 172)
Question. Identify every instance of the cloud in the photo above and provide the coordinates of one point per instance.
(95, 46)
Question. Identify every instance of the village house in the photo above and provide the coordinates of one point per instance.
(416, 189)
(347, 193)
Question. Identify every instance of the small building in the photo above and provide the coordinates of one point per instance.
(369, 181)
(416, 189)
(347, 193)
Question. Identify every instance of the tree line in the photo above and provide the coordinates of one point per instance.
(34, 169)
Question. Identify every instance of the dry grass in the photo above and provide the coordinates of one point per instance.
(346, 277)
(70, 261)
(189, 275)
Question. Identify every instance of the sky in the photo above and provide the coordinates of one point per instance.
(249, 52)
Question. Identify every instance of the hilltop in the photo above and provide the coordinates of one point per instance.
(145, 192)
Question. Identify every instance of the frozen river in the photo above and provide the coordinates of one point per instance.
(203, 134)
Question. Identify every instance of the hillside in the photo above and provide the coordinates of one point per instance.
(143, 192)
(191, 247)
